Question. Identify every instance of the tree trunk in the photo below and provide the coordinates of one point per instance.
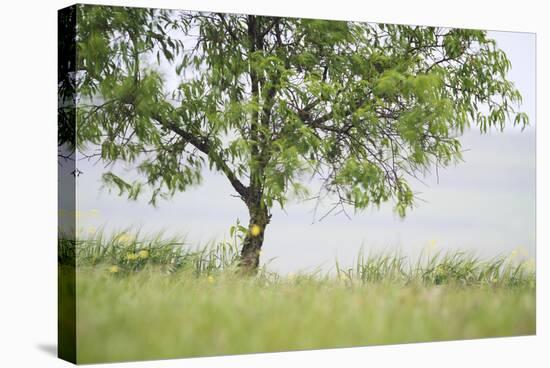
(250, 253)
(258, 211)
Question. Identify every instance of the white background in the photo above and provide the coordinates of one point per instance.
(28, 185)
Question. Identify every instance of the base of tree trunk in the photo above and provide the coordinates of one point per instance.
(250, 255)
(254, 239)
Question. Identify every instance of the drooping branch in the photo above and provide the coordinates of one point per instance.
(204, 146)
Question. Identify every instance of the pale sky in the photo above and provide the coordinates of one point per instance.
(485, 204)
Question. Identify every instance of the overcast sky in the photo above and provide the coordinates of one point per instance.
(485, 204)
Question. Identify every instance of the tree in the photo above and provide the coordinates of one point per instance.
(266, 101)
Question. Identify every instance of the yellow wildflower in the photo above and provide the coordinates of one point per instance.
(131, 256)
(144, 253)
(113, 269)
(432, 246)
(125, 238)
(520, 251)
(530, 265)
(211, 279)
(255, 230)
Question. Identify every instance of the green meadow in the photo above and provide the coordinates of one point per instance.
(140, 298)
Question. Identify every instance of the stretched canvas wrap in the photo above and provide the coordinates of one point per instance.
(233, 183)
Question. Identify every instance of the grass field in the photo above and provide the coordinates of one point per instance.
(139, 300)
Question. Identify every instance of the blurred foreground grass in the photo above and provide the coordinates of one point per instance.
(151, 299)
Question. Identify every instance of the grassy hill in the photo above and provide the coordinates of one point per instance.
(153, 299)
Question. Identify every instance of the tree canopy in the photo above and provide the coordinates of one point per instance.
(269, 101)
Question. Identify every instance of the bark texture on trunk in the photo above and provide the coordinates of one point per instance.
(252, 246)
(259, 124)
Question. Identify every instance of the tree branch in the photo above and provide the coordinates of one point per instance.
(202, 145)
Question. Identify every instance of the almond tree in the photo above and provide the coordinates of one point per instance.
(268, 101)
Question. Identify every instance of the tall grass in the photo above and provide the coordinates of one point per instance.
(147, 315)
(452, 267)
(125, 251)
(131, 251)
